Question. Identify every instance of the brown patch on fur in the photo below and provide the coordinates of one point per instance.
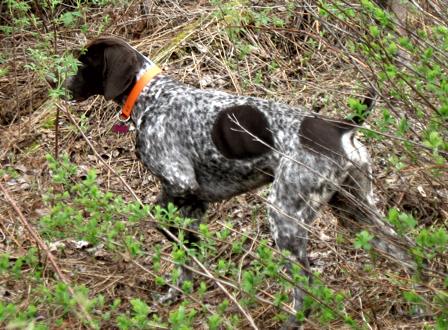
(230, 138)
(322, 136)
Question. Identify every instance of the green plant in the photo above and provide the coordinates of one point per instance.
(181, 319)
(139, 318)
(363, 239)
(90, 214)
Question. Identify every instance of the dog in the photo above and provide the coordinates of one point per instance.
(206, 146)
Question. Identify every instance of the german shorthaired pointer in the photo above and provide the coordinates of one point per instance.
(206, 146)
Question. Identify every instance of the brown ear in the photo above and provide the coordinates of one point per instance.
(120, 69)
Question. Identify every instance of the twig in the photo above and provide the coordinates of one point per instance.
(177, 288)
(56, 136)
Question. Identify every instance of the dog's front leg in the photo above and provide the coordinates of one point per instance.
(189, 206)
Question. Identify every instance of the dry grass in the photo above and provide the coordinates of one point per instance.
(291, 64)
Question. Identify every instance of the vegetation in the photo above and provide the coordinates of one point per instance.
(78, 245)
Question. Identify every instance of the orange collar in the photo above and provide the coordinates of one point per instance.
(136, 90)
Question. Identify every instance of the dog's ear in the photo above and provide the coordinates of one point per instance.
(120, 69)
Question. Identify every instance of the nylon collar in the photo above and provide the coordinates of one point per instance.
(136, 90)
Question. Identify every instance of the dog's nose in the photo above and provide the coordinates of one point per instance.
(51, 81)
(54, 83)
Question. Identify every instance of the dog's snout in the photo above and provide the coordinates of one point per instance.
(51, 80)
(65, 85)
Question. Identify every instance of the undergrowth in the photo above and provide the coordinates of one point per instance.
(81, 213)
(404, 61)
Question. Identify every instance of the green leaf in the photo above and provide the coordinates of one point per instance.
(392, 48)
(67, 18)
(139, 307)
(374, 31)
(411, 297)
(362, 240)
(214, 321)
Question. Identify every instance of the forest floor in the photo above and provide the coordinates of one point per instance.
(282, 63)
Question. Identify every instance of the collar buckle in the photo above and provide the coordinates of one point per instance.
(121, 117)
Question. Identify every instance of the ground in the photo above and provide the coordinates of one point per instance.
(267, 49)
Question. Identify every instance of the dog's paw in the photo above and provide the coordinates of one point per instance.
(169, 298)
(292, 324)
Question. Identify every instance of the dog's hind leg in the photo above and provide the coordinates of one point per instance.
(354, 201)
(297, 195)
(355, 207)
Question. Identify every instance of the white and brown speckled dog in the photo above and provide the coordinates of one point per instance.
(206, 146)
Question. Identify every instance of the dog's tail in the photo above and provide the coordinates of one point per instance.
(368, 103)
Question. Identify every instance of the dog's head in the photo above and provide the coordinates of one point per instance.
(108, 67)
